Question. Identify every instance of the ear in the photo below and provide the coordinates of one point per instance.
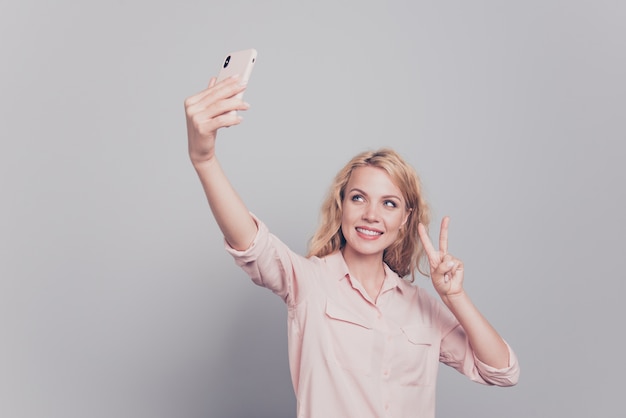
(406, 217)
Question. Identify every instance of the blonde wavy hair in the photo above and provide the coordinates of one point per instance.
(406, 254)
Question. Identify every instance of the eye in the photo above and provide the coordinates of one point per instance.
(390, 204)
(357, 198)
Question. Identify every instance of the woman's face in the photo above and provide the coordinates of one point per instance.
(373, 212)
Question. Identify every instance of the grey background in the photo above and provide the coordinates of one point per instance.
(116, 297)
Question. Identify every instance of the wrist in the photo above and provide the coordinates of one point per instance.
(454, 298)
(203, 164)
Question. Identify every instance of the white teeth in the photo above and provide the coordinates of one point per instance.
(368, 232)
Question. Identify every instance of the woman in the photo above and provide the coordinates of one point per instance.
(363, 342)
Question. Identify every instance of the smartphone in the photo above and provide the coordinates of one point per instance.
(238, 63)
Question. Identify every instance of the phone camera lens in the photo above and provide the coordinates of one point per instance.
(227, 61)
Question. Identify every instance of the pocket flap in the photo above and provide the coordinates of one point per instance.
(419, 334)
(338, 312)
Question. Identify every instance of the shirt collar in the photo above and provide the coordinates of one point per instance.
(392, 279)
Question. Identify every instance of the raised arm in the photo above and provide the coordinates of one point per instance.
(208, 111)
(446, 273)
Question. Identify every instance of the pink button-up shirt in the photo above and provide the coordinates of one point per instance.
(352, 357)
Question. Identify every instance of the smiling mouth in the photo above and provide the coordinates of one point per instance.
(368, 232)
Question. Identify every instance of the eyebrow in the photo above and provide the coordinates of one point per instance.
(390, 196)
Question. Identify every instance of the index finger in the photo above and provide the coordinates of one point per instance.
(443, 235)
(431, 252)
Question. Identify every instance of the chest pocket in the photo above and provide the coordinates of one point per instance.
(351, 338)
(418, 355)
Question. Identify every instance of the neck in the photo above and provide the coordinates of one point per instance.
(367, 269)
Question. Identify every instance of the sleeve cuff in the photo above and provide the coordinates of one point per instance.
(255, 248)
(507, 376)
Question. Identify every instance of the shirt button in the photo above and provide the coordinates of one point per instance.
(389, 338)
(386, 373)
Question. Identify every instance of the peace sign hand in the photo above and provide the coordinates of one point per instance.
(446, 271)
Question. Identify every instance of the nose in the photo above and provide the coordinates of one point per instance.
(370, 213)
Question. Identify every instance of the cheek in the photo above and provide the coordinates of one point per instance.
(347, 215)
(395, 223)
(393, 235)
(344, 223)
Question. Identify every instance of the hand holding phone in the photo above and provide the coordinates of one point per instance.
(204, 118)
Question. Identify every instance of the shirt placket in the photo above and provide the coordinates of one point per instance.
(386, 361)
